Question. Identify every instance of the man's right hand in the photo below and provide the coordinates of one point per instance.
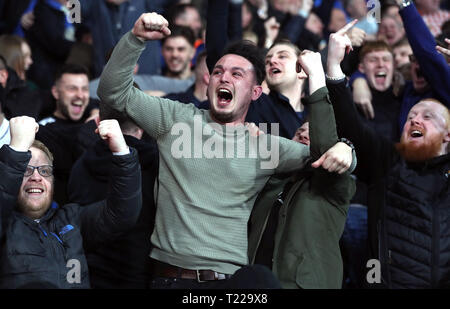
(151, 26)
(338, 43)
(362, 96)
(23, 131)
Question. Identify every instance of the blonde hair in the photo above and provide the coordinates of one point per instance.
(40, 145)
(11, 50)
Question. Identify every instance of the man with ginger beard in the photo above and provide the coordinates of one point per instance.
(408, 198)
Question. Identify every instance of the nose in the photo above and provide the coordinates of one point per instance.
(35, 176)
(416, 119)
(225, 77)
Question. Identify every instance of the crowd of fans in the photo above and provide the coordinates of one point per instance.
(386, 64)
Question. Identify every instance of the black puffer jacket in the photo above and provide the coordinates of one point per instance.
(50, 253)
(124, 263)
(408, 204)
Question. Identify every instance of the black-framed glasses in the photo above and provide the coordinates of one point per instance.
(43, 170)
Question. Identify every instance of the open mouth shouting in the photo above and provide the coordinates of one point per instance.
(224, 97)
(380, 78)
(274, 71)
(77, 107)
(416, 132)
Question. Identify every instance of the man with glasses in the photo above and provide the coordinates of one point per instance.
(43, 244)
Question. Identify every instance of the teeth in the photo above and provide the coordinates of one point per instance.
(224, 91)
(34, 191)
(381, 74)
(77, 103)
(416, 133)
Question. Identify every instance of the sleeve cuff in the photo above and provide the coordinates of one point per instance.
(318, 95)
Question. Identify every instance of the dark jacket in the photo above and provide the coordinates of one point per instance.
(386, 108)
(408, 204)
(43, 254)
(67, 141)
(311, 217)
(18, 99)
(123, 263)
(188, 97)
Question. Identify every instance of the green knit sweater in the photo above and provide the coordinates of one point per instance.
(209, 174)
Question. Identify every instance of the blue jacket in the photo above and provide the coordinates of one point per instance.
(433, 65)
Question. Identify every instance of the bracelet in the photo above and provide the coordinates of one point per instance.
(348, 142)
(335, 78)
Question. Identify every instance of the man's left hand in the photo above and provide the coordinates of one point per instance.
(109, 130)
(337, 159)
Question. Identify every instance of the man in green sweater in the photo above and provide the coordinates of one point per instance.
(211, 167)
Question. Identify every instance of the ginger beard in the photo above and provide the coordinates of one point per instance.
(419, 152)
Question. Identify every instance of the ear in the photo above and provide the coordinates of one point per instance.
(3, 76)
(192, 55)
(361, 68)
(256, 92)
(447, 137)
(302, 75)
(55, 92)
(206, 78)
(139, 133)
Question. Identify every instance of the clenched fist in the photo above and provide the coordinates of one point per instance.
(109, 130)
(151, 26)
(23, 131)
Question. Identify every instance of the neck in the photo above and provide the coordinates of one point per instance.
(239, 121)
(59, 115)
(200, 91)
(294, 94)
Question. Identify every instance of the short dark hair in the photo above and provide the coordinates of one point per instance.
(252, 53)
(71, 68)
(285, 41)
(182, 31)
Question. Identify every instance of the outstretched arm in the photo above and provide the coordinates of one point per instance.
(155, 115)
(432, 64)
(369, 146)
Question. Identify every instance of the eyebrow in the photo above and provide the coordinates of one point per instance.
(278, 52)
(233, 68)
